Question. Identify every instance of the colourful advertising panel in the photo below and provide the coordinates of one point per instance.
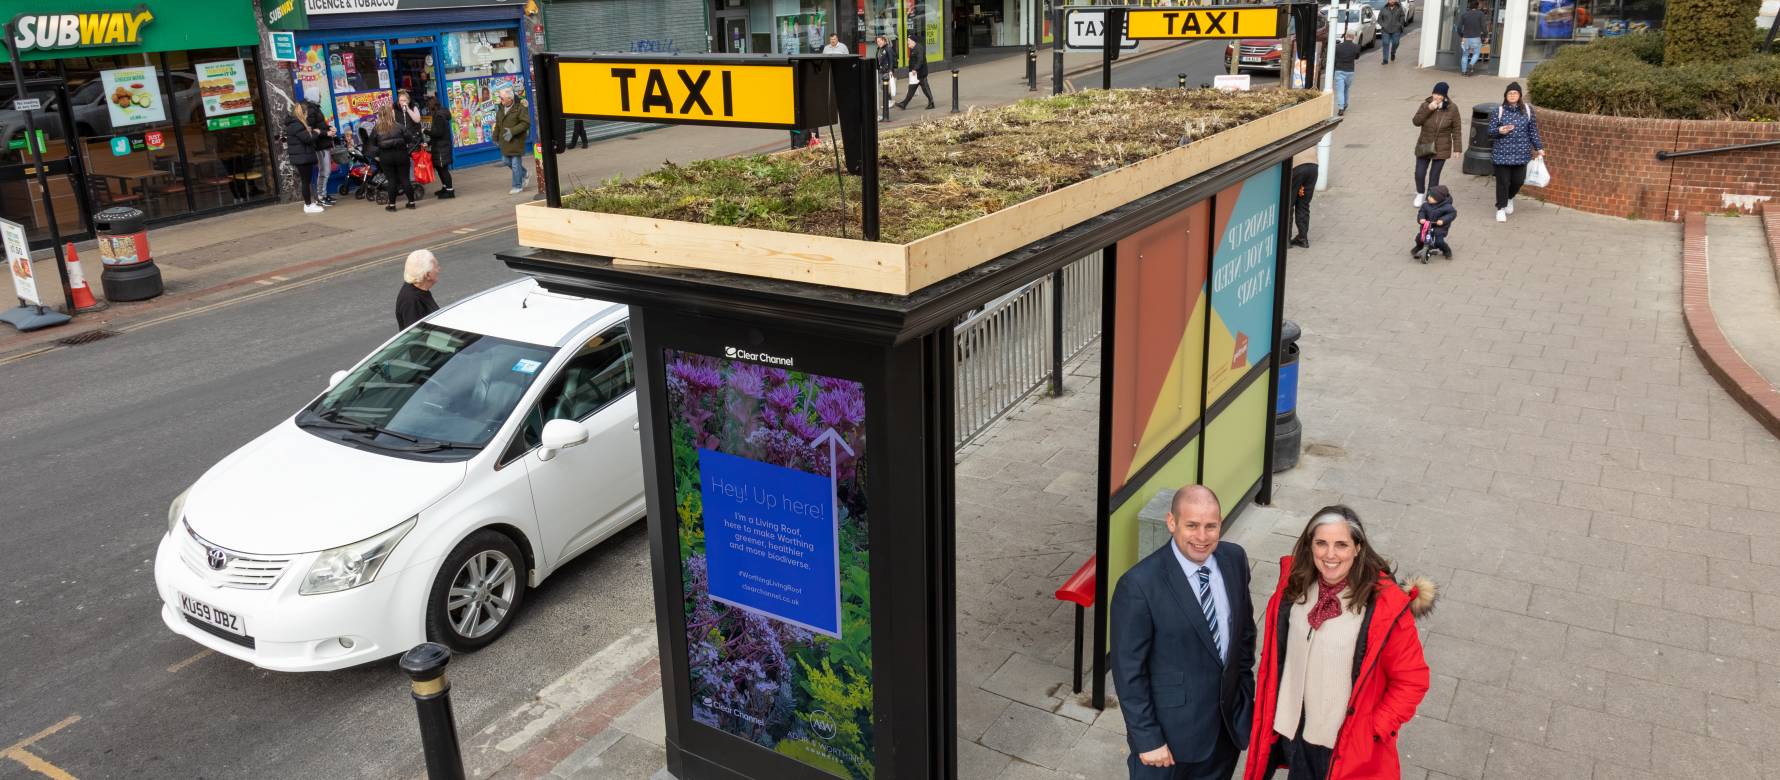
(359, 109)
(473, 104)
(769, 490)
(133, 96)
(1242, 275)
(222, 86)
(1557, 20)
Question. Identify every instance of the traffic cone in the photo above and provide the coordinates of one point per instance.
(77, 283)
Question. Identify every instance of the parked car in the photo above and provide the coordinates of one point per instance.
(1360, 19)
(1263, 54)
(421, 495)
(1409, 8)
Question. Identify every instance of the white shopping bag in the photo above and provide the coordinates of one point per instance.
(1537, 174)
(914, 77)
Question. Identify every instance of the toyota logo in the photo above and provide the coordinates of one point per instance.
(217, 558)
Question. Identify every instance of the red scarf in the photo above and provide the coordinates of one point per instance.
(1328, 602)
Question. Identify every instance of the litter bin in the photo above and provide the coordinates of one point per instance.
(1288, 432)
(129, 270)
(1477, 153)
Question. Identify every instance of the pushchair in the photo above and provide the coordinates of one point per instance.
(362, 177)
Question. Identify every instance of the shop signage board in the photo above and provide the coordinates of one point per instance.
(133, 96)
(18, 263)
(1086, 31)
(227, 122)
(738, 91)
(222, 86)
(284, 46)
(286, 15)
(326, 7)
(28, 104)
(1189, 23)
(56, 29)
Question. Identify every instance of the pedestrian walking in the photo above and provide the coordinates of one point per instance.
(512, 123)
(415, 300)
(1437, 141)
(1303, 189)
(1472, 25)
(1341, 665)
(886, 70)
(324, 152)
(580, 134)
(299, 148)
(1434, 217)
(1392, 20)
(835, 46)
(1347, 52)
(1183, 629)
(1517, 142)
(439, 144)
(389, 137)
(917, 75)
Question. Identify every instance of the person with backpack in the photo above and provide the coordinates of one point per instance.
(1438, 139)
(439, 143)
(299, 148)
(1517, 142)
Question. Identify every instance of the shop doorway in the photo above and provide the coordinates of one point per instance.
(21, 197)
(411, 66)
(733, 32)
(1450, 52)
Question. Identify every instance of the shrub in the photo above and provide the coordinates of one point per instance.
(1706, 30)
(1624, 76)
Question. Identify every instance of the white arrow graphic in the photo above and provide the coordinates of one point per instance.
(834, 506)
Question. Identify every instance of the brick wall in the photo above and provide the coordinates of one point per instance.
(1607, 165)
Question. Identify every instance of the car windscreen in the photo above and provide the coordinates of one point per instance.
(1351, 15)
(432, 388)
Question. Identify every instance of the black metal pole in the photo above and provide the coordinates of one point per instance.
(36, 148)
(1281, 239)
(1113, 33)
(549, 122)
(868, 150)
(425, 665)
(1109, 302)
(1031, 68)
(884, 95)
(1057, 36)
(954, 90)
(1181, 78)
(1057, 332)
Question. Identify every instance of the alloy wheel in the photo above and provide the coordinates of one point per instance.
(481, 594)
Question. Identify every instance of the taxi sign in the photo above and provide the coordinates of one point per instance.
(1144, 24)
(786, 92)
(1085, 30)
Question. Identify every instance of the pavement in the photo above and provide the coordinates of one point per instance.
(1734, 331)
(1525, 423)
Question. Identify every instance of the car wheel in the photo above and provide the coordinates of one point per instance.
(477, 592)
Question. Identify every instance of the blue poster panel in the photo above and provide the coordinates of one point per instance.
(769, 490)
(1557, 20)
(1246, 223)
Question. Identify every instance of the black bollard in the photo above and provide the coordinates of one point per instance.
(1031, 69)
(425, 665)
(1182, 78)
(954, 90)
(884, 94)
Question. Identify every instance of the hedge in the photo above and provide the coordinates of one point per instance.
(1623, 76)
(1705, 30)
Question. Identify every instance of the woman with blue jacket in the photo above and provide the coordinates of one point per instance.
(1517, 142)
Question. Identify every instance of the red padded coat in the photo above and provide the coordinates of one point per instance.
(1391, 681)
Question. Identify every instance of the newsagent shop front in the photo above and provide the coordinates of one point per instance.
(153, 105)
(352, 60)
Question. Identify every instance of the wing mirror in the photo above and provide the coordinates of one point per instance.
(561, 434)
(334, 378)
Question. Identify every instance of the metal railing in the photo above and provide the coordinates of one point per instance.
(1007, 350)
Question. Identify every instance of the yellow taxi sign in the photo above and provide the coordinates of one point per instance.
(691, 91)
(1219, 22)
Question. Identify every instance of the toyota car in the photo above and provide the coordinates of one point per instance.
(421, 495)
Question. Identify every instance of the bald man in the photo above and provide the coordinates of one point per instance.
(1183, 648)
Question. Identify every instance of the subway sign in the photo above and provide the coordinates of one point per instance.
(52, 32)
(1146, 24)
(743, 90)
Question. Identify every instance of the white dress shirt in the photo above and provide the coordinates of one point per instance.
(1219, 597)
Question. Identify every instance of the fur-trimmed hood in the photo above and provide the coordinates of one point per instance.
(1422, 593)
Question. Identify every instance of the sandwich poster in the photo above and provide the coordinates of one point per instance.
(133, 96)
(223, 87)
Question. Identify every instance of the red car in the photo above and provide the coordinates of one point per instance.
(1262, 54)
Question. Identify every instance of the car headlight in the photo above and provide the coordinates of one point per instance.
(1278, 47)
(355, 564)
(176, 509)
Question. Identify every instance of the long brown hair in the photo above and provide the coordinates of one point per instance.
(1362, 579)
(386, 121)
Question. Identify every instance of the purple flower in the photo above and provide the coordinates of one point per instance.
(782, 397)
(698, 378)
(801, 425)
(778, 376)
(748, 379)
(840, 408)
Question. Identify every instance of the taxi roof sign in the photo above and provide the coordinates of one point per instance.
(740, 90)
(1226, 21)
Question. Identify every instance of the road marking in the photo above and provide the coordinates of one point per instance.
(264, 282)
(461, 230)
(174, 669)
(279, 278)
(565, 696)
(34, 762)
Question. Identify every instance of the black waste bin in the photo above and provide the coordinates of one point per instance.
(1477, 153)
(1288, 432)
(130, 273)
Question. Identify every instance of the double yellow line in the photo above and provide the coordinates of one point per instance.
(18, 751)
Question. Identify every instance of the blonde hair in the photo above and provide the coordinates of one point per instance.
(420, 263)
(386, 120)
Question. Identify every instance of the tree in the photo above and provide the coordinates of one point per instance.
(1707, 30)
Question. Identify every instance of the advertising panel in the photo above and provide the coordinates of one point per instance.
(1242, 269)
(18, 263)
(474, 104)
(223, 87)
(1557, 20)
(769, 469)
(133, 96)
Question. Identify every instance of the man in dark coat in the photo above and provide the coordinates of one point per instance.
(1392, 20)
(415, 300)
(917, 75)
(886, 70)
(1183, 648)
(1303, 188)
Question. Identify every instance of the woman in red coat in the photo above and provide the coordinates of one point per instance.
(1341, 664)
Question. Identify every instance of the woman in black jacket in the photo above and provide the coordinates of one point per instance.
(392, 143)
(439, 142)
(324, 151)
(299, 148)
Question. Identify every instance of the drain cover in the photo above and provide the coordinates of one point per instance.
(87, 337)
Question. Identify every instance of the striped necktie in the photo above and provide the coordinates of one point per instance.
(1211, 609)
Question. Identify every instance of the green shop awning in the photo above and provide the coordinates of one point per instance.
(58, 29)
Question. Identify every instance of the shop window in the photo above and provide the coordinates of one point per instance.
(222, 137)
(474, 103)
(804, 32)
(480, 54)
(900, 20)
(127, 110)
(358, 78)
(478, 64)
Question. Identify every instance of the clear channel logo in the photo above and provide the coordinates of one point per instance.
(758, 357)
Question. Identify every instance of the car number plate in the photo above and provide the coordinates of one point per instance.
(1251, 59)
(223, 619)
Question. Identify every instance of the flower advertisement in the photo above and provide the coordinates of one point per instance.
(769, 487)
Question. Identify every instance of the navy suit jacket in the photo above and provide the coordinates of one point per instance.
(1172, 686)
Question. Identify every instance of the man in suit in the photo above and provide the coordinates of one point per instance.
(1183, 648)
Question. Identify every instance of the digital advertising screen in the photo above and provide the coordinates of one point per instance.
(769, 469)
